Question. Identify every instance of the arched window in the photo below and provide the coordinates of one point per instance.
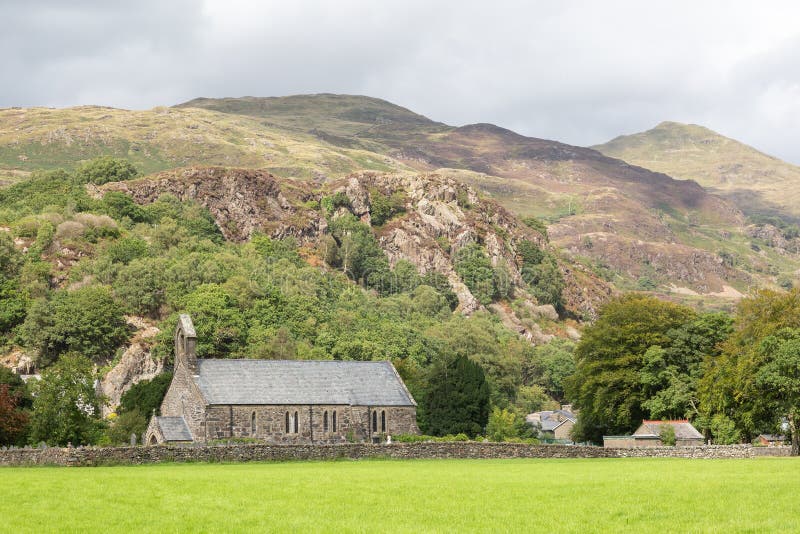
(287, 422)
(295, 422)
(253, 424)
(383, 421)
(334, 421)
(325, 422)
(374, 421)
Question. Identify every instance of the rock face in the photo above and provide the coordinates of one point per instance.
(136, 365)
(441, 215)
(241, 201)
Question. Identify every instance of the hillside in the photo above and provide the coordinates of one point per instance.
(756, 182)
(636, 228)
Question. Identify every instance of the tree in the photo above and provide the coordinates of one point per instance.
(458, 399)
(125, 424)
(671, 375)
(733, 384)
(475, 269)
(607, 384)
(13, 420)
(105, 169)
(506, 425)
(778, 378)
(146, 396)
(66, 405)
(221, 328)
(86, 320)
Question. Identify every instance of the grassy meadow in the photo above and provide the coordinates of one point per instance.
(585, 495)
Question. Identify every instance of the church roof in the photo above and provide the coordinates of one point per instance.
(301, 382)
(174, 428)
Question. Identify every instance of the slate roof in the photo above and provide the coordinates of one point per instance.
(174, 428)
(301, 382)
(683, 429)
(551, 419)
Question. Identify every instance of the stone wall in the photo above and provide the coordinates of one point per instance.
(93, 456)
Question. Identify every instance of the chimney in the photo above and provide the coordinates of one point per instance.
(186, 344)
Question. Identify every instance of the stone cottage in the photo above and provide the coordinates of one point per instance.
(554, 424)
(279, 401)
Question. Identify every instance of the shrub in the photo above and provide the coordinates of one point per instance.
(475, 269)
(120, 430)
(667, 435)
(146, 396)
(331, 203)
(383, 207)
(86, 320)
(105, 169)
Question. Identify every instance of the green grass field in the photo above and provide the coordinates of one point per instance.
(606, 495)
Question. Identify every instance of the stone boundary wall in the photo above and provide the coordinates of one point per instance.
(94, 456)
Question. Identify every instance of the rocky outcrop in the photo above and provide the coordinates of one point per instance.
(241, 201)
(135, 365)
(440, 216)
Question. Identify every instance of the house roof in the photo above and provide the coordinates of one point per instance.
(174, 428)
(683, 429)
(301, 382)
(772, 437)
(551, 419)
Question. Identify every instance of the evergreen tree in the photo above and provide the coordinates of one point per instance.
(458, 399)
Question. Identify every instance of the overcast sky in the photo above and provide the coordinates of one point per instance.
(578, 72)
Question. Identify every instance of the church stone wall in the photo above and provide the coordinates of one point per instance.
(352, 423)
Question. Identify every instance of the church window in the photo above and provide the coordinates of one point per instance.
(253, 424)
(287, 422)
(334, 420)
(295, 422)
(325, 422)
(374, 421)
(383, 421)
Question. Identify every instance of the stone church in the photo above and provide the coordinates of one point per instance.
(279, 401)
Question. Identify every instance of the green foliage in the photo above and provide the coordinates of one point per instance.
(607, 385)
(120, 206)
(221, 328)
(384, 207)
(550, 365)
(105, 169)
(127, 423)
(145, 397)
(440, 283)
(458, 399)
(331, 203)
(475, 269)
(724, 430)
(54, 189)
(65, 405)
(778, 378)
(13, 419)
(738, 383)
(13, 303)
(87, 321)
(667, 435)
(127, 249)
(15, 404)
(506, 425)
(537, 224)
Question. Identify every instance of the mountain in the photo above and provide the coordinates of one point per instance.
(757, 183)
(637, 228)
